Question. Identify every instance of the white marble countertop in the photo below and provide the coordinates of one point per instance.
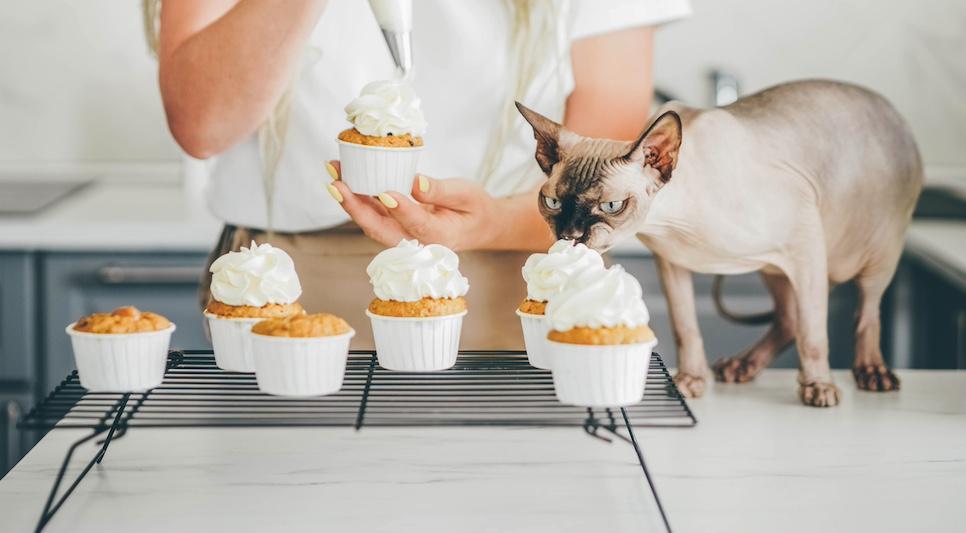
(757, 461)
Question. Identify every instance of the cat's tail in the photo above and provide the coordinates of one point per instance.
(717, 296)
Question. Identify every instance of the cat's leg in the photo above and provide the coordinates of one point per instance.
(869, 368)
(808, 273)
(692, 365)
(746, 366)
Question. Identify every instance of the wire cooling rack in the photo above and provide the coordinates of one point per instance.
(485, 388)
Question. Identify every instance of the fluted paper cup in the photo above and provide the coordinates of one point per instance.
(300, 366)
(416, 344)
(535, 329)
(120, 362)
(600, 375)
(231, 342)
(376, 169)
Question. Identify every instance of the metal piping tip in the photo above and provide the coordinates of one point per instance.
(401, 50)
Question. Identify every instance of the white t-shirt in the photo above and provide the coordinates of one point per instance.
(460, 56)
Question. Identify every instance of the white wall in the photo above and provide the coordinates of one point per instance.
(913, 52)
(77, 83)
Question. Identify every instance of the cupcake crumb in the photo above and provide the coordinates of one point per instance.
(424, 307)
(246, 311)
(128, 319)
(353, 136)
(314, 325)
(603, 336)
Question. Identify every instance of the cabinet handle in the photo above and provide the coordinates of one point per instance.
(168, 275)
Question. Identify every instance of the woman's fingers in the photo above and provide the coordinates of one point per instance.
(413, 218)
(369, 215)
(456, 194)
(334, 168)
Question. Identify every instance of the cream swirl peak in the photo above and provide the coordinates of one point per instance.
(598, 299)
(547, 273)
(388, 107)
(258, 275)
(410, 271)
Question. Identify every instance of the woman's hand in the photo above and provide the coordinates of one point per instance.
(456, 213)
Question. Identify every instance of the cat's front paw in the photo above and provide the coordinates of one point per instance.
(689, 385)
(878, 378)
(817, 394)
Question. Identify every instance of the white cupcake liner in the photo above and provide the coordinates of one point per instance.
(300, 366)
(376, 169)
(231, 342)
(600, 375)
(416, 344)
(120, 362)
(535, 329)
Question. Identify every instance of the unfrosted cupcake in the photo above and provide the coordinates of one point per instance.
(599, 339)
(419, 306)
(381, 151)
(248, 286)
(125, 350)
(546, 274)
(301, 355)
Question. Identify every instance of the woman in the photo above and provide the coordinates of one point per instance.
(262, 85)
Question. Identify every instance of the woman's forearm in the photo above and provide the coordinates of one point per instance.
(224, 65)
(519, 225)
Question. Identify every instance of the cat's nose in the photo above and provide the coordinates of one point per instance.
(571, 234)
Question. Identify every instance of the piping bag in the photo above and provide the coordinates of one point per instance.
(395, 18)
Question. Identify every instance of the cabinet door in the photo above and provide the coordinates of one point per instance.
(17, 317)
(14, 443)
(77, 284)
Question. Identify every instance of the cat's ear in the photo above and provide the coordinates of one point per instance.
(547, 134)
(658, 146)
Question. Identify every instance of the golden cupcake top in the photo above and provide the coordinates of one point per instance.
(247, 311)
(406, 140)
(303, 326)
(424, 307)
(603, 336)
(122, 320)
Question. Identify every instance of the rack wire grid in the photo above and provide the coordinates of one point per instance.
(484, 388)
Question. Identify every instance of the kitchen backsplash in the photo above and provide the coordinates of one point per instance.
(78, 83)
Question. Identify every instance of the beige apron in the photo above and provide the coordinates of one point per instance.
(332, 269)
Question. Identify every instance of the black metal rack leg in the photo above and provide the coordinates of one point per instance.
(50, 508)
(647, 475)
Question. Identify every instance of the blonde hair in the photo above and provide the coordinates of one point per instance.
(534, 40)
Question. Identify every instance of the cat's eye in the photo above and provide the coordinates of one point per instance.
(612, 207)
(551, 203)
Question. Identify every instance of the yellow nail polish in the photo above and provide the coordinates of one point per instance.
(330, 168)
(388, 201)
(336, 195)
(423, 183)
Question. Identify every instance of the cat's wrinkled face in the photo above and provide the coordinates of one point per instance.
(597, 190)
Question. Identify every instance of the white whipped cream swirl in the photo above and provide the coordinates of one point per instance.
(256, 276)
(410, 271)
(388, 107)
(598, 299)
(547, 273)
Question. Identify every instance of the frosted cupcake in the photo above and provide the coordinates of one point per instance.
(419, 306)
(301, 355)
(381, 151)
(599, 339)
(546, 274)
(125, 350)
(248, 286)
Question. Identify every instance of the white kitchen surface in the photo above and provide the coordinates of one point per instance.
(757, 461)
